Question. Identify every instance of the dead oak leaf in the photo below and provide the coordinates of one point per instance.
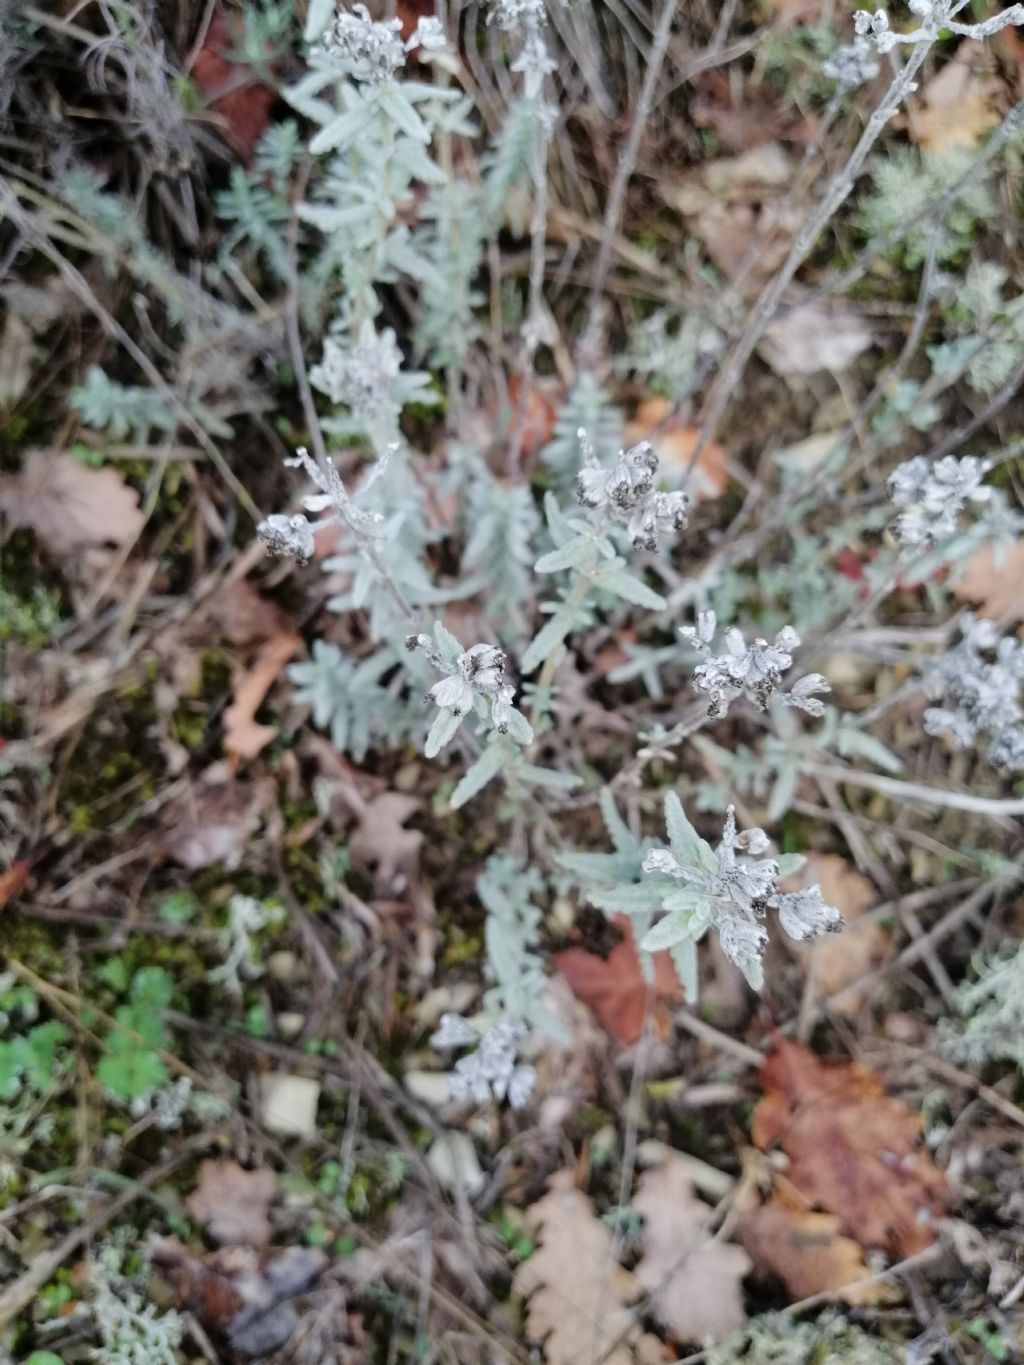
(381, 839)
(579, 1296)
(70, 506)
(232, 1203)
(853, 1150)
(244, 737)
(993, 579)
(809, 1254)
(958, 108)
(614, 986)
(825, 335)
(833, 961)
(695, 1281)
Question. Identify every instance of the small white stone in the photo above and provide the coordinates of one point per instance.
(429, 1086)
(288, 1104)
(453, 1160)
(290, 1024)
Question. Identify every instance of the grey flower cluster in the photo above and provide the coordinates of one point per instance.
(362, 49)
(733, 896)
(477, 672)
(978, 695)
(492, 1070)
(360, 375)
(291, 537)
(754, 671)
(933, 495)
(625, 493)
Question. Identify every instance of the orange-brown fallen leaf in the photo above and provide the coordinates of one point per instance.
(993, 579)
(675, 445)
(853, 1150)
(243, 736)
(232, 1203)
(695, 1281)
(614, 987)
(12, 882)
(835, 960)
(578, 1295)
(809, 1254)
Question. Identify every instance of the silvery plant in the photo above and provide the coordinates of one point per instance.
(385, 207)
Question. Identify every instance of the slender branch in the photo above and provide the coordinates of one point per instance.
(914, 791)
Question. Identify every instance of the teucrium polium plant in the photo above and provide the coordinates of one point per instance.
(476, 619)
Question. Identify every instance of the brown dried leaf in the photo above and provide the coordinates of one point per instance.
(993, 579)
(835, 960)
(238, 614)
(695, 1282)
(853, 1150)
(809, 1254)
(382, 842)
(69, 506)
(235, 1292)
(577, 1295)
(212, 824)
(827, 335)
(232, 1203)
(614, 986)
(243, 736)
(958, 107)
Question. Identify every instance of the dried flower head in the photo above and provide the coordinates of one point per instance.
(625, 493)
(288, 536)
(362, 49)
(933, 495)
(429, 35)
(512, 14)
(853, 65)
(475, 674)
(733, 894)
(754, 671)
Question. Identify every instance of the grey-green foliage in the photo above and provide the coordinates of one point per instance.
(508, 890)
(256, 201)
(990, 341)
(445, 259)
(586, 408)
(774, 1339)
(501, 529)
(507, 167)
(349, 698)
(992, 1009)
(615, 882)
(133, 1331)
(669, 353)
(377, 136)
(772, 771)
(583, 552)
(122, 410)
(905, 183)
